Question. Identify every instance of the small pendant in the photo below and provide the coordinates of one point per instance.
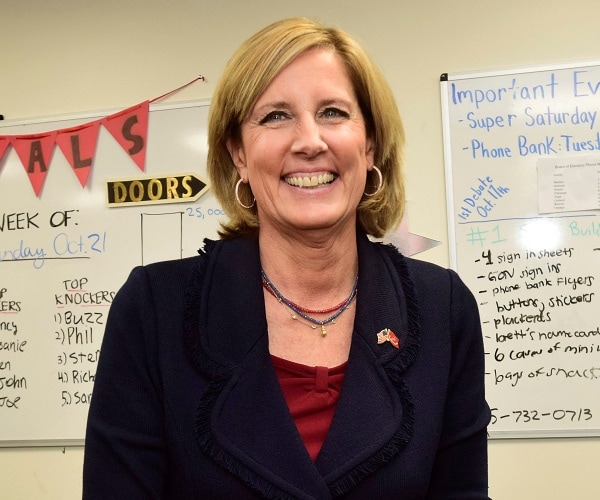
(323, 331)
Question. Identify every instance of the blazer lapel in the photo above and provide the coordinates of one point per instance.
(243, 421)
(252, 422)
(373, 419)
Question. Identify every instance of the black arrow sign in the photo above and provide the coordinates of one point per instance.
(153, 190)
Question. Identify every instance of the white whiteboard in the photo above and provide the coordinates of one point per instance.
(53, 309)
(534, 270)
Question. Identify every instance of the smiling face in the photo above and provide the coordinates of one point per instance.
(304, 148)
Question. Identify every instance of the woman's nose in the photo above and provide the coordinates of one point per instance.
(308, 139)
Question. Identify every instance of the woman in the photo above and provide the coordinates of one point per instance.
(294, 358)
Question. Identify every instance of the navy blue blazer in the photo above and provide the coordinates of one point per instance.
(187, 405)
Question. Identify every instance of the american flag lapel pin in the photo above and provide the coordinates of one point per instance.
(386, 335)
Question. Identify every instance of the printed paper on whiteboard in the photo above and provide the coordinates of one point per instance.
(568, 184)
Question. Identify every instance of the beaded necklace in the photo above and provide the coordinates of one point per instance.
(304, 312)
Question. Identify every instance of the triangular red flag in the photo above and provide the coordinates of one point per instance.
(4, 142)
(35, 152)
(130, 129)
(78, 144)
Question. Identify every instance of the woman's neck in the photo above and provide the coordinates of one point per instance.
(314, 273)
(312, 268)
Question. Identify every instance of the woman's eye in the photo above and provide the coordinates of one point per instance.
(334, 113)
(274, 116)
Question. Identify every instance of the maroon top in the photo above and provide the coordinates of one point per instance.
(311, 393)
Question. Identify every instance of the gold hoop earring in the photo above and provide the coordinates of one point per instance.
(237, 195)
(379, 185)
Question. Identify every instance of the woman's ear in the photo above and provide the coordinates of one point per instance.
(370, 152)
(238, 156)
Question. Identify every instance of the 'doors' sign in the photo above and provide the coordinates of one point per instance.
(151, 190)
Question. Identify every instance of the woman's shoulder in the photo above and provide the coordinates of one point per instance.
(428, 279)
(419, 270)
(169, 277)
(175, 267)
(428, 273)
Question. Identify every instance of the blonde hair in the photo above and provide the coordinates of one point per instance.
(246, 76)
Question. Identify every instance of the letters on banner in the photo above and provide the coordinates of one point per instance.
(78, 144)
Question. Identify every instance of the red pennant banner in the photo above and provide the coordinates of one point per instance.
(35, 152)
(78, 144)
(130, 129)
(4, 142)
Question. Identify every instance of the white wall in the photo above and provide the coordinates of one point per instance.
(65, 56)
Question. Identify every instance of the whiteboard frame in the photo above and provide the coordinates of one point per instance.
(45, 124)
(100, 113)
(445, 79)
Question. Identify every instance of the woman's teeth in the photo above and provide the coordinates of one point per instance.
(310, 181)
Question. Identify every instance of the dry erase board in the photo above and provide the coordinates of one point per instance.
(522, 154)
(64, 254)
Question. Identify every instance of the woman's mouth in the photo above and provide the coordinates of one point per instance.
(309, 181)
